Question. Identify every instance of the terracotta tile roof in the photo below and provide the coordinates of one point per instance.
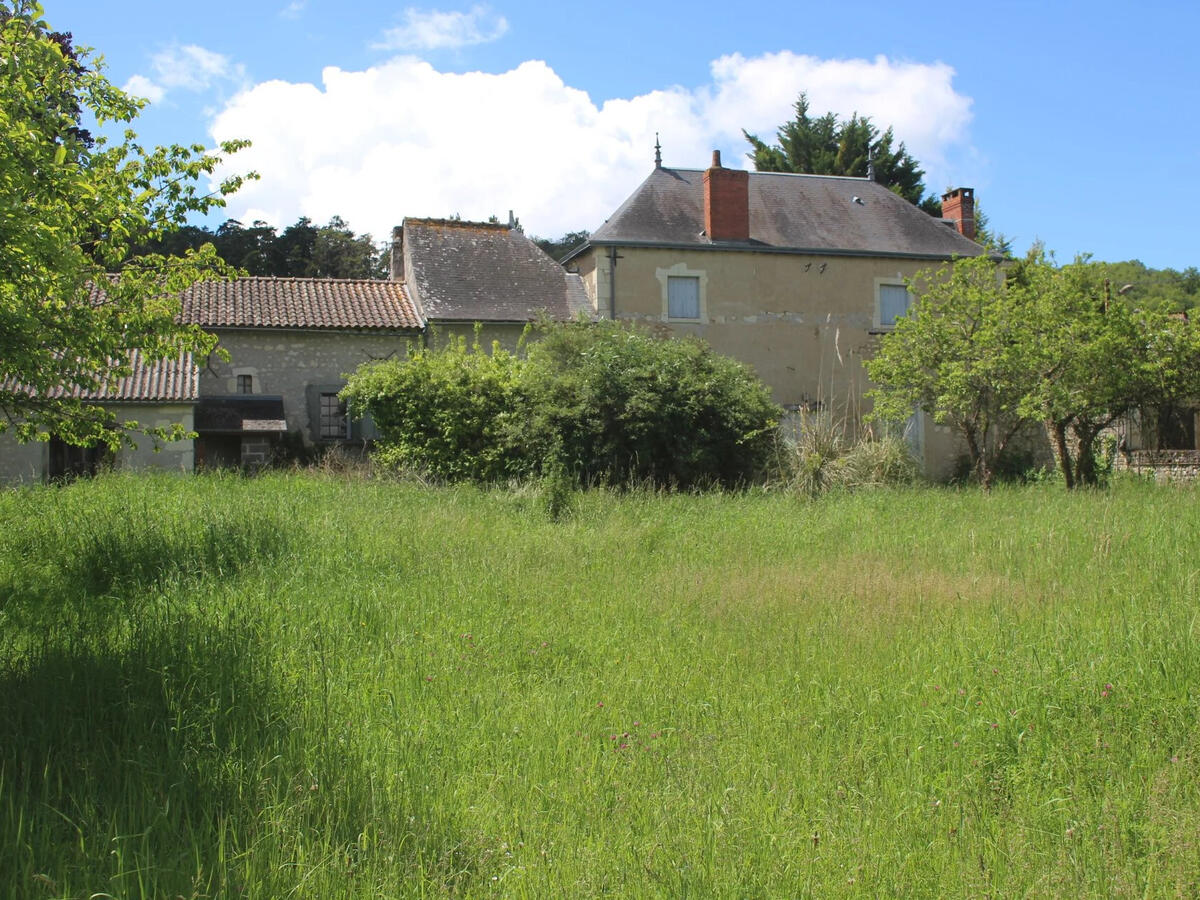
(165, 380)
(483, 272)
(330, 303)
(787, 212)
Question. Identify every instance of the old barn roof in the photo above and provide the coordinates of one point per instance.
(160, 381)
(322, 303)
(814, 213)
(483, 272)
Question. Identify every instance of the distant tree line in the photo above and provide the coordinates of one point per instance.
(302, 250)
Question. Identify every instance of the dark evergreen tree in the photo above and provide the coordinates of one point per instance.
(826, 146)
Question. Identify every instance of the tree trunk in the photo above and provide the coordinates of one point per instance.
(1085, 456)
(979, 464)
(1062, 450)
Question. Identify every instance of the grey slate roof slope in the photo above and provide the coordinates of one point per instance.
(330, 303)
(151, 381)
(483, 272)
(787, 212)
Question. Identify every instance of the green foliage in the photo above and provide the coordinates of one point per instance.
(1045, 344)
(822, 458)
(1097, 359)
(609, 403)
(625, 406)
(73, 210)
(827, 146)
(1163, 290)
(302, 250)
(446, 411)
(556, 249)
(957, 357)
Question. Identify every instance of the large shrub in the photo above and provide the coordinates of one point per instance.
(621, 405)
(602, 402)
(445, 412)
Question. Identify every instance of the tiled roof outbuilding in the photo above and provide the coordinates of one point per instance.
(320, 303)
(151, 381)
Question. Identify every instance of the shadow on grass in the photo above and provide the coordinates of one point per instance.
(182, 766)
(105, 561)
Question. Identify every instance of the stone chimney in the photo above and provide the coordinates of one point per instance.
(958, 208)
(396, 260)
(726, 202)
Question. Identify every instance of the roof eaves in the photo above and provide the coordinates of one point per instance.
(796, 251)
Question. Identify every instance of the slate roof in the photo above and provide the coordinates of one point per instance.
(815, 213)
(483, 272)
(330, 303)
(168, 380)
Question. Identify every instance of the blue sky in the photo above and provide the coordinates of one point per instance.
(1075, 123)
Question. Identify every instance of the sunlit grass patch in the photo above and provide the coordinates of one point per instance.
(337, 687)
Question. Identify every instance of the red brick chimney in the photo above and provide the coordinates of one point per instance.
(958, 207)
(726, 202)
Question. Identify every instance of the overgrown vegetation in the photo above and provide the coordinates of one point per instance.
(608, 403)
(437, 692)
(990, 352)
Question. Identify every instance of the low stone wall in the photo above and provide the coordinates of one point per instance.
(1164, 465)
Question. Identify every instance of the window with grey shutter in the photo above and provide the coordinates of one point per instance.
(333, 418)
(893, 303)
(683, 297)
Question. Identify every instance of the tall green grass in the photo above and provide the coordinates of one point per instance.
(294, 686)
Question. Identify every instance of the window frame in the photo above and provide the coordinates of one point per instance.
(880, 283)
(328, 434)
(681, 270)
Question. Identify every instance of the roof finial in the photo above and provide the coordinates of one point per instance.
(657, 152)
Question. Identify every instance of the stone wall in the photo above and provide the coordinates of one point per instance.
(1164, 465)
(293, 364)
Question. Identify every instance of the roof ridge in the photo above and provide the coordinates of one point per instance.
(458, 223)
(305, 278)
(787, 174)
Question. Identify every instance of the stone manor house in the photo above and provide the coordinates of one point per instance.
(796, 275)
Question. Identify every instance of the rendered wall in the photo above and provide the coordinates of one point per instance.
(29, 463)
(805, 323)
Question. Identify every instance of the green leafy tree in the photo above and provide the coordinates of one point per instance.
(73, 210)
(826, 146)
(957, 355)
(1097, 359)
(556, 249)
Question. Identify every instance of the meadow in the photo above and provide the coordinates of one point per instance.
(306, 686)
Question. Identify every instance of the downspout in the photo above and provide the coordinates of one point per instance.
(613, 256)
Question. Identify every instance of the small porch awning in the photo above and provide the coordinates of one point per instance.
(240, 414)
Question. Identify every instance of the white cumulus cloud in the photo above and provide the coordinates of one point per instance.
(436, 30)
(403, 138)
(187, 67)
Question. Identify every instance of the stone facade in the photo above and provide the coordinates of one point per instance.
(297, 365)
(1163, 465)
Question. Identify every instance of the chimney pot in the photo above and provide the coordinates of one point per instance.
(716, 163)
